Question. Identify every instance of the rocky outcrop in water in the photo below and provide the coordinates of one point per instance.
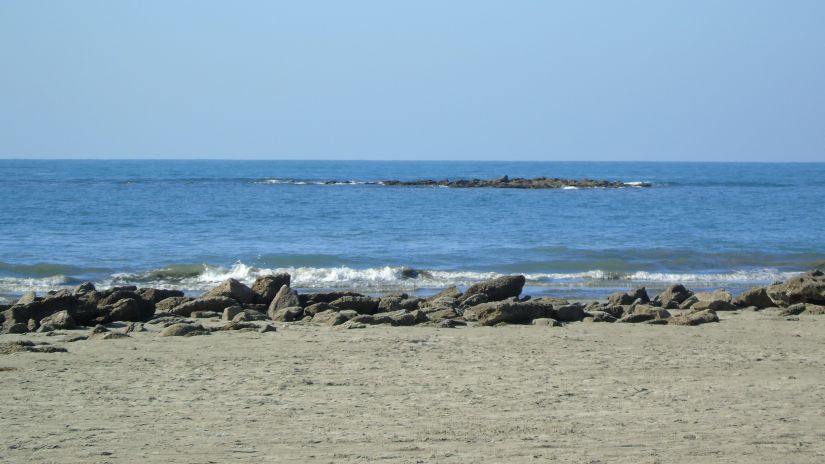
(516, 183)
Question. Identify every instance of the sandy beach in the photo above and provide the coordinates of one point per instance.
(748, 389)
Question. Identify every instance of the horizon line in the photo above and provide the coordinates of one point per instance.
(48, 158)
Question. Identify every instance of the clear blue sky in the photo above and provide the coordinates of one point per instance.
(535, 80)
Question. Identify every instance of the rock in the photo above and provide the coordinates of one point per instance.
(438, 304)
(215, 303)
(111, 297)
(60, 320)
(83, 289)
(448, 323)
(509, 311)
(443, 314)
(289, 314)
(183, 330)
(640, 293)
(602, 316)
(615, 311)
(714, 305)
(814, 310)
(168, 304)
(266, 287)
(450, 292)
(37, 310)
(547, 321)
(620, 298)
(230, 312)
(403, 318)
(756, 296)
(568, 313)
(16, 328)
(285, 298)
(234, 289)
(248, 315)
(128, 309)
(807, 288)
(267, 328)
(328, 297)
(643, 313)
(28, 297)
(361, 304)
(156, 295)
(688, 303)
(718, 295)
(330, 317)
(397, 303)
(471, 300)
(497, 289)
(793, 310)
(205, 314)
(316, 308)
(674, 293)
(32, 347)
(695, 318)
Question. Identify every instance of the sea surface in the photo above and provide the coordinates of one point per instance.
(191, 224)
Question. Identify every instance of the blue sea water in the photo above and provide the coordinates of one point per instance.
(190, 224)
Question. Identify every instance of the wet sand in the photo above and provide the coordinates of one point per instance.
(749, 389)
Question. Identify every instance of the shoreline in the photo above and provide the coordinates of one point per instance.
(490, 302)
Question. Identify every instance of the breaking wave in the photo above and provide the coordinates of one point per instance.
(197, 278)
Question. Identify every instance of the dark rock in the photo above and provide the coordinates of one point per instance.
(568, 313)
(497, 289)
(509, 311)
(328, 297)
(602, 316)
(473, 300)
(316, 308)
(156, 295)
(16, 328)
(442, 314)
(756, 296)
(267, 328)
(234, 289)
(330, 317)
(361, 304)
(84, 288)
(128, 309)
(266, 287)
(620, 298)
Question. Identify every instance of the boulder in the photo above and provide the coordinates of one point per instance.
(60, 320)
(215, 303)
(167, 304)
(756, 296)
(330, 317)
(793, 310)
(620, 298)
(509, 311)
(285, 298)
(28, 297)
(327, 297)
(644, 313)
(568, 313)
(83, 289)
(814, 310)
(396, 303)
(718, 295)
(288, 314)
(442, 314)
(266, 287)
(450, 292)
(403, 318)
(183, 330)
(234, 289)
(497, 289)
(128, 309)
(602, 316)
(807, 288)
(361, 304)
(156, 295)
(204, 314)
(80, 310)
(695, 318)
(316, 308)
(714, 305)
(674, 293)
(471, 300)
(230, 312)
(248, 315)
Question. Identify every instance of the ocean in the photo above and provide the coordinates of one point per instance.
(191, 224)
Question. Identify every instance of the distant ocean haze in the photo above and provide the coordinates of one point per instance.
(191, 224)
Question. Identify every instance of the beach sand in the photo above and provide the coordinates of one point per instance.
(749, 389)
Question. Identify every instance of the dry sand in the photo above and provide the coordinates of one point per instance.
(749, 389)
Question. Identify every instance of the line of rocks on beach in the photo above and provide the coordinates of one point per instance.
(232, 305)
(516, 183)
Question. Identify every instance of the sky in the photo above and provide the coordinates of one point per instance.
(633, 80)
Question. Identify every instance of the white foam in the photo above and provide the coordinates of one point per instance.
(569, 187)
